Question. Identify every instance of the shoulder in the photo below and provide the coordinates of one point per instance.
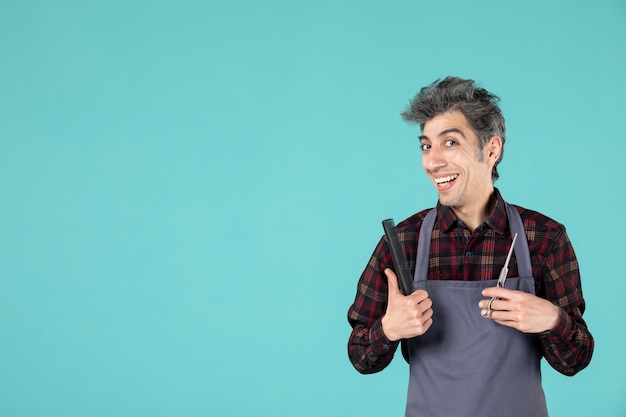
(412, 224)
(544, 234)
(538, 221)
(409, 229)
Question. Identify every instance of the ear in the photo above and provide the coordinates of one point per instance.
(493, 149)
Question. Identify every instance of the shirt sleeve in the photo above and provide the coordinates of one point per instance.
(569, 346)
(369, 349)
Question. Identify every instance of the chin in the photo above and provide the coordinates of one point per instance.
(450, 201)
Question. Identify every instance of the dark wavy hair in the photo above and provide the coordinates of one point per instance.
(479, 106)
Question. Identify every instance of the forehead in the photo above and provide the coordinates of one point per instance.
(450, 122)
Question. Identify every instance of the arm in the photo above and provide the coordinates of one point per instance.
(557, 318)
(381, 316)
(567, 347)
(369, 349)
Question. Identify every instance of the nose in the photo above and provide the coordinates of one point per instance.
(433, 159)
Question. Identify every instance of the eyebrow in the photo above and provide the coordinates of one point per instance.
(445, 132)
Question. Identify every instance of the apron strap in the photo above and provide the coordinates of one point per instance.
(423, 246)
(522, 253)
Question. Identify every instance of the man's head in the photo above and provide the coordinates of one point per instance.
(479, 107)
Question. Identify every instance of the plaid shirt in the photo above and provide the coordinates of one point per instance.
(456, 253)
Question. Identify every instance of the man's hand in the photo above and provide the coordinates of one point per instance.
(520, 310)
(406, 316)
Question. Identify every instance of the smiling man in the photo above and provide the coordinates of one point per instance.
(474, 345)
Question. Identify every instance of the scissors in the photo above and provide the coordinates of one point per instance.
(503, 273)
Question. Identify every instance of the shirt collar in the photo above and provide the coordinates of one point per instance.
(497, 219)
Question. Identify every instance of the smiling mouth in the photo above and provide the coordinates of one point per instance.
(442, 182)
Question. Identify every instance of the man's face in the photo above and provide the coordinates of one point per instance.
(450, 156)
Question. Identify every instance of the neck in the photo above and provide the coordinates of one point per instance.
(475, 215)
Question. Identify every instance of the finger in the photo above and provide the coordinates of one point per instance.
(392, 280)
(419, 296)
(498, 292)
(427, 314)
(427, 325)
(499, 316)
(503, 318)
(488, 314)
(496, 304)
(488, 307)
(425, 304)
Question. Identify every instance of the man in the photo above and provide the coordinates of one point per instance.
(474, 348)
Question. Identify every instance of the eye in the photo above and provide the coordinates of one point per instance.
(424, 147)
(451, 142)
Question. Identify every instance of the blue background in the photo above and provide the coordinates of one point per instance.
(191, 189)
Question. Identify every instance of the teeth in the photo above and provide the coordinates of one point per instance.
(446, 179)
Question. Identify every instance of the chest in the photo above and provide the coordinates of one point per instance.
(469, 256)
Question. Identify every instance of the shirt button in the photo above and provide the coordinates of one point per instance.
(468, 254)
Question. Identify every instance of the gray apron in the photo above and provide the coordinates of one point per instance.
(466, 364)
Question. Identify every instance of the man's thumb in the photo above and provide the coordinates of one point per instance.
(393, 282)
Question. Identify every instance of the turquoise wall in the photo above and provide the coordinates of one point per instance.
(191, 189)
